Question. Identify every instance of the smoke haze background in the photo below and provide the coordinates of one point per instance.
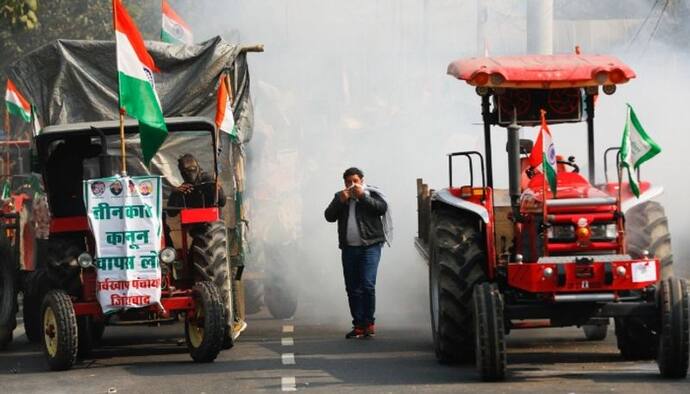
(362, 83)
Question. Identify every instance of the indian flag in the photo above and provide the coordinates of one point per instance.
(137, 91)
(174, 29)
(16, 103)
(543, 156)
(225, 120)
(636, 148)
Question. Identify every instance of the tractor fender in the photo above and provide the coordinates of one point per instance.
(444, 196)
(648, 195)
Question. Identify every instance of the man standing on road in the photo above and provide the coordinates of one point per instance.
(361, 213)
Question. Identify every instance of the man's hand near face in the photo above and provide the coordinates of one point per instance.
(357, 190)
(344, 195)
(185, 188)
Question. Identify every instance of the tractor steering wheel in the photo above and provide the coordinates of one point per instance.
(571, 163)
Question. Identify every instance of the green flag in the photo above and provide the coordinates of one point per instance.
(636, 148)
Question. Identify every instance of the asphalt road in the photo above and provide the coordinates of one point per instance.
(275, 355)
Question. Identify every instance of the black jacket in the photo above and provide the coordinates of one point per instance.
(368, 211)
(202, 195)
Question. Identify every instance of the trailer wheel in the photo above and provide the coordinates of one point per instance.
(59, 331)
(280, 297)
(674, 339)
(8, 293)
(205, 327)
(646, 228)
(210, 259)
(490, 345)
(253, 296)
(457, 258)
(595, 332)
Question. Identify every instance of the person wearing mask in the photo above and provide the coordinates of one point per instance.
(363, 220)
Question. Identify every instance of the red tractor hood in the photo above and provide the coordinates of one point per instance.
(569, 185)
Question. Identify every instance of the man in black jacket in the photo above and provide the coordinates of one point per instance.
(358, 211)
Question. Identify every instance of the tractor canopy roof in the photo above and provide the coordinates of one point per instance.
(541, 71)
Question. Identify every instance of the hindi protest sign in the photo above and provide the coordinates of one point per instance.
(125, 218)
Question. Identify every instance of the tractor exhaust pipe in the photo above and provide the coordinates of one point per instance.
(513, 148)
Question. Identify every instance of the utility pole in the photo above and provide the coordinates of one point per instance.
(540, 27)
(482, 19)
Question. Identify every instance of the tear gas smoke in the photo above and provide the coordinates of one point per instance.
(363, 83)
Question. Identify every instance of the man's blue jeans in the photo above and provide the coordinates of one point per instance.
(360, 264)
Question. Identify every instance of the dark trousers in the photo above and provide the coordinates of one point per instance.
(360, 264)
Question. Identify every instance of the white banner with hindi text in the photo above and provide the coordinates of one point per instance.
(125, 218)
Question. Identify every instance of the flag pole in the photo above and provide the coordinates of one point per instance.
(123, 163)
(543, 187)
(7, 146)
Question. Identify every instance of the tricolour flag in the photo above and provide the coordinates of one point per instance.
(636, 148)
(137, 92)
(174, 30)
(543, 156)
(225, 120)
(16, 103)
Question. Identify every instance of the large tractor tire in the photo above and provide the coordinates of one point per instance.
(211, 263)
(60, 343)
(456, 266)
(205, 329)
(637, 338)
(8, 293)
(490, 343)
(674, 339)
(646, 228)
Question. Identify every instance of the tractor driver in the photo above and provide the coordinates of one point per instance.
(198, 189)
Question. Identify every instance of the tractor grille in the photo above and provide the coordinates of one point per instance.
(604, 258)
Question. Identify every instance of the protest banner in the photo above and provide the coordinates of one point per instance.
(125, 218)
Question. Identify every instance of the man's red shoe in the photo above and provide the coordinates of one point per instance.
(370, 330)
(357, 332)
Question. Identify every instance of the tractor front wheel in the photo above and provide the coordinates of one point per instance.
(674, 341)
(595, 332)
(59, 331)
(456, 263)
(490, 345)
(205, 328)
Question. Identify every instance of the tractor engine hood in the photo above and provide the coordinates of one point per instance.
(570, 185)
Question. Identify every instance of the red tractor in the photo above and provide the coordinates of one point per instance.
(56, 272)
(521, 258)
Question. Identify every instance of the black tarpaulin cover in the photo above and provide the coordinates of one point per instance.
(76, 81)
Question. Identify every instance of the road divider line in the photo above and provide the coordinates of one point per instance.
(288, 328)
(288, 383)
(287, 341)
(288, 358)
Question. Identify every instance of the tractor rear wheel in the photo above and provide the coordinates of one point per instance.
(636, 338)
(646, 228)
(674, 339)
(595, 332)
(490, 346)
(280, 296)
(457, 259)
(60, 343)
(205, 327)
(8, 293)
(211, 263)
(253, 296)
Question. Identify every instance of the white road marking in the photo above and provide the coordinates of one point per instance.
(287, 341)
(288, 358)
(289, 328)
(288, 383)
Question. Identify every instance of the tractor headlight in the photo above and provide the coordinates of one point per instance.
(561, 232)
(607, 232)
(168, 255)
(85, 260)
